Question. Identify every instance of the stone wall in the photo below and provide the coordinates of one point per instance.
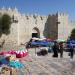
(58, 26)
(22, 26)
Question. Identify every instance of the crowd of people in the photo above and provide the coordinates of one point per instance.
(58, 48)
(54, 46)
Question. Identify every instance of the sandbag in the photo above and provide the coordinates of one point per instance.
(42, 52)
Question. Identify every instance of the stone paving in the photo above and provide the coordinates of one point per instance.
(47, 65)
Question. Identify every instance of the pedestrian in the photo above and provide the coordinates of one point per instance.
(50, 49)
(71, 51)
(61, 49)
(55, 49)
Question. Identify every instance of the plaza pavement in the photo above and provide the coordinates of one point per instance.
(47, 65)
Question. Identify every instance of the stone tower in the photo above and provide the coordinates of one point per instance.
(65, 26)
(51, 27)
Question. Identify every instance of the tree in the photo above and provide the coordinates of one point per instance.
(5, 24)
(73, 34)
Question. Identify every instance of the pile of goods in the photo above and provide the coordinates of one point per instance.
(6, 70)
(9, 62)
(42, 52)
(19, 54)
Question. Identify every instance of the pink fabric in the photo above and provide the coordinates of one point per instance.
(2, 53)
(19, 54)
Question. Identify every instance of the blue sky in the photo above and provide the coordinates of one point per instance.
(42, 7)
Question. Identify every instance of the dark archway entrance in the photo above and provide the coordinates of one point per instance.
(35, 32)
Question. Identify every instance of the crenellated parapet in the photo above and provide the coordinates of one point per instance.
(8, 9)
(13, 12)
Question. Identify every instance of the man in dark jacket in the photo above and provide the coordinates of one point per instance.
(55, 49)
(71, 51)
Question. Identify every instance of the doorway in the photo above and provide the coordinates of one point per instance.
(35, 35)
(35, 32)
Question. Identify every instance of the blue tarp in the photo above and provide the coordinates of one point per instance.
(3, 61)
(41, 43)
(70, 43)
(16, 64)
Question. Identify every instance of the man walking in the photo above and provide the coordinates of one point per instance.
(71, 51)
(61, 49)
(55, 49)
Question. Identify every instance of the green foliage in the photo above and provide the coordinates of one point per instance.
(5, 24)
(73, 34)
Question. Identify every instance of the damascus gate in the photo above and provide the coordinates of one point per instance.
(26, 26)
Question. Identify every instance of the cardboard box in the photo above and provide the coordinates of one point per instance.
(10, 58)
(6, 72)
(13, 71)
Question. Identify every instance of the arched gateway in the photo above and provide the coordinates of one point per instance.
(35, 32)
